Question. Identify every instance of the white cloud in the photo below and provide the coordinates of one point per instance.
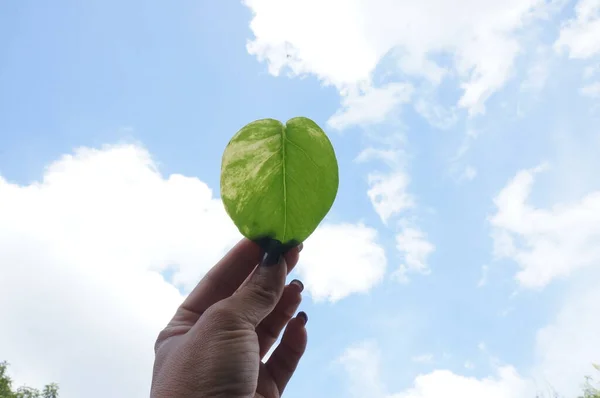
(560, 241)
(538, 72)
(565, 351)
(328, 39)
(389, 193)
(342, 259)
(579, 36)
(362, 363)
(342, 42)
(591, 90)
(506, 383)
(546, 243)
(391, 198)
(369, 106)
(568, 346)
(81, 256)
(436, 115)
(391, 157)
(415, 249)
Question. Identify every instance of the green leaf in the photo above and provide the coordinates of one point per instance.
(279, 181)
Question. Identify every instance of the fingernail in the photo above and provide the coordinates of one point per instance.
(273, 253)
(271, 258)
(300, 247)
(298, 283)
(302, 315)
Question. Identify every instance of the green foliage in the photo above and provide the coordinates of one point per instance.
(50, 391)
(591, 388)
(5, 382)
(279, 181)
(6, 391)
(27, 392)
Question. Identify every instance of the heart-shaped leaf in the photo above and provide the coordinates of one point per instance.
(279, 181)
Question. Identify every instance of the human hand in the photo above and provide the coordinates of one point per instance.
(214, 344)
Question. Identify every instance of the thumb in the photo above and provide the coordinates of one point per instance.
(259, 296)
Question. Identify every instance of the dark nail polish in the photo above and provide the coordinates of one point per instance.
(270, 258)
(274, 249)
(299, 283)
(302, 315)
(300, 247)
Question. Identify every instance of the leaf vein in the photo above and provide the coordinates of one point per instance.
(304, 152)
(283, 140)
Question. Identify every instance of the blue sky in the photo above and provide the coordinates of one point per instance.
(465, 228)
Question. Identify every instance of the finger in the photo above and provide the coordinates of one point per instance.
(292, 256)
(224, 278)
(229, 274)
(219, 283)
(269, 329)
(282, 364)
(258, 297)
(291, 259)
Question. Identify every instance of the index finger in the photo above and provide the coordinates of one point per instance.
(228, 275)
(225, 277)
